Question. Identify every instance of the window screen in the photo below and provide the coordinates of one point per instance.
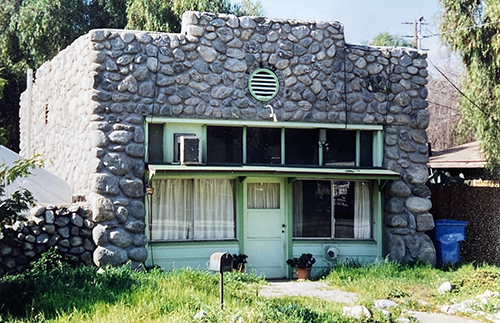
(340, 148)
(155, 143)
(224, 145)
(263, 145)
(301, 146)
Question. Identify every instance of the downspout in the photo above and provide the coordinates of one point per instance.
(29, 89)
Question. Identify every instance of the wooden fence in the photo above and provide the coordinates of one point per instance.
(480, 206)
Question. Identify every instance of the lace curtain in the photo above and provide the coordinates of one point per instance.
(184, 209)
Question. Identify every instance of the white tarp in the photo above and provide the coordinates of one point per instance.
(45, 187)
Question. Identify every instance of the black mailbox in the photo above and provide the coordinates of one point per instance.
(221, 261)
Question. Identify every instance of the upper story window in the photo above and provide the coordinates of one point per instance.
(224, 145)
(255, 144)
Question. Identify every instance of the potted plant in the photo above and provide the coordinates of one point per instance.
(239, 261)
(302, 265)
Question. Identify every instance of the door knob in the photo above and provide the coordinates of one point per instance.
(283, 225)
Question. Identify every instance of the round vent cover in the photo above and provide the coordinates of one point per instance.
(263, 84)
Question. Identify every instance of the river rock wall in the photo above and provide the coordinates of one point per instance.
(67, 229)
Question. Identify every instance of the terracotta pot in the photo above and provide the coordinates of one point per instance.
(303, 273)
(240, 269)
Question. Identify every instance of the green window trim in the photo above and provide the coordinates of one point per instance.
(377, 141)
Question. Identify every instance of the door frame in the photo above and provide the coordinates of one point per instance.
(285, 216)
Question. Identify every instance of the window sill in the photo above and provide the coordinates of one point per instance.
(211, 241)
(329, 240)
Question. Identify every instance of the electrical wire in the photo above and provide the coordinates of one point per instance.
(485, 113)
(462, 29)
(345, 85)
(443, 106)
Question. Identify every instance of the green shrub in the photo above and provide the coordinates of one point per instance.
(54, 284)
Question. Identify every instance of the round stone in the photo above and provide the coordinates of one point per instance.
(100, 235)
(425, 222)
(132, 187)
(110, 256)
(120, 238)
(418, 204)
(138, 254)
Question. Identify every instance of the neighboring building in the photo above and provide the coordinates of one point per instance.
(464, 164)
(259, 136)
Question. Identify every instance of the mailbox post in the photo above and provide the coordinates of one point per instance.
(221, 262)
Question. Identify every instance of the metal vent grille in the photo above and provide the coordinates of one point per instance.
(263, 84)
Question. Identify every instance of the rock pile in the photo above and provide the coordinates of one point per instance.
(69, 230)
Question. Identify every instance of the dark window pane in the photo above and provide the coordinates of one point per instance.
(340, 148)
(301, 146)
(344, 209)
(312, 209)
(366, 148)
(155, 143)
(224, 145)
(263, 145)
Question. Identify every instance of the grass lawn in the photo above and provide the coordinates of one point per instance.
(53, 291)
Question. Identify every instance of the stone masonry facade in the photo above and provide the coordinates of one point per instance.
(89, 104)
(67, 229)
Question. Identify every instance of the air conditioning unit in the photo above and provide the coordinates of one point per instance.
(189, 150)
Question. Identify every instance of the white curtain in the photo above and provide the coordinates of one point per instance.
(298, 209)
(263, 195)
(172, 209)
(362, 211)
(213, 209)
(193, 209)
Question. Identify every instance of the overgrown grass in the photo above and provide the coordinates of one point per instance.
(414, 286)
(53, 291)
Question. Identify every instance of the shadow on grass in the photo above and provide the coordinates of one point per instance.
(53, 286)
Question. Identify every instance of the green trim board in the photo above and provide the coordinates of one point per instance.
(270, 123)
(279, 171)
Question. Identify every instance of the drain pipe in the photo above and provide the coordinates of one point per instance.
(29, 89)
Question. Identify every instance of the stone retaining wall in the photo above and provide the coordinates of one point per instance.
(125, 77)
(69, 230)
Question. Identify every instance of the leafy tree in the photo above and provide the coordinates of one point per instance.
(247, 8)
(20, 200)
(34, 31)
(387, 39)
(166, 15)
(471, 28)
(2, 85)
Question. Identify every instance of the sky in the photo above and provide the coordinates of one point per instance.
(365, 19)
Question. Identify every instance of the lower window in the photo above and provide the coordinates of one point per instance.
(193, 209)
(332, 209)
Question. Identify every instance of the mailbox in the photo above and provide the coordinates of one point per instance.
(221, 262)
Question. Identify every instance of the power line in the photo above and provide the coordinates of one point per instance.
(417, 31)
(443, 106)
(461, 29)
(485, 113)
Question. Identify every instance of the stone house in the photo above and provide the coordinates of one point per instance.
(259, 136)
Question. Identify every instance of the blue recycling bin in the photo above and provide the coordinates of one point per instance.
(448, 235)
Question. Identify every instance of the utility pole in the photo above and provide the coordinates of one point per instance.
(417, 31)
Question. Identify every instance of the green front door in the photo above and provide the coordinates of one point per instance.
(265, 234)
